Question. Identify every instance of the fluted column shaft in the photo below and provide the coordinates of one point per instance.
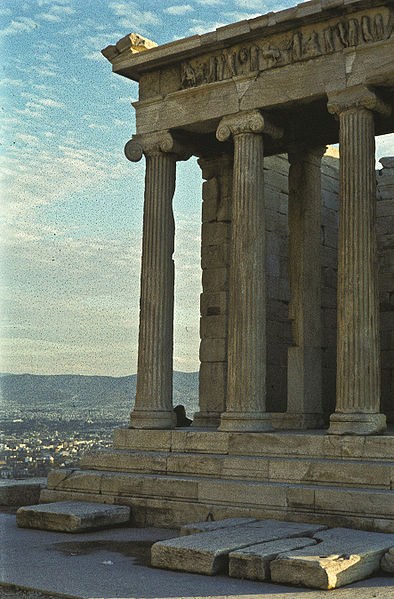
(153, 404)
(358, 370)
(247, 305)
(245, 406)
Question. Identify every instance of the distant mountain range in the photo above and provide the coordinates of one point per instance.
(84, 396)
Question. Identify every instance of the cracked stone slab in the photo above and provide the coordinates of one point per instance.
(387, 562)
(341, 556)
(72, 516)
(253, 563)
(197, 527)
(207, 552)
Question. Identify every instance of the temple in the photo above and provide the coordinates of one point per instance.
(296, 385)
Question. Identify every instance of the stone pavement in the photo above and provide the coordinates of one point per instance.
(113, 564)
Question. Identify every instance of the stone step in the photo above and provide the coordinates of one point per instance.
(174, 512)
(72, 516)
(274, 444)
(16, 492)
(334, 471)
(236, 497)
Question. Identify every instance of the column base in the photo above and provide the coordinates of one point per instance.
(239, 422)
(298, 421)
(357, 424)
(203, 419)
(152, 420)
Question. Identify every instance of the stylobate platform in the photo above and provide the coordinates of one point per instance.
(170, 478)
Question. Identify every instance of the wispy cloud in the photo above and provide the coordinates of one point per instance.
(98, 127)
(92, 44)
(45, 57)
(31, 140)
(51, 2)
(27, 112)
(199, 27)
(44, 71)
(51, 103)
(58, 172)
(19, 25)
(179, 9)
(127, 99)
(119, 123)
(130, 15)
(36, 101)
(261, 6)
(210, 2)
(42, 87)
(8, 81)
(63, 10)
(235, 16)
(96, 56)
(47, 16)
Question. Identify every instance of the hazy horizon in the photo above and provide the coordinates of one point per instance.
(86, 375)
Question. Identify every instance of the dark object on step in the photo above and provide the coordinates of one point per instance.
(181, 418)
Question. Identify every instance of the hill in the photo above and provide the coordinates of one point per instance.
(77, 396)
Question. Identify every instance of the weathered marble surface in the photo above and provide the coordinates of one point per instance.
(343, 556)
(14, 492)
(387, 561)
(207, 553)
(72, 516)
(253, 562)
(191, 529)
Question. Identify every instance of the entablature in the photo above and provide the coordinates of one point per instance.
(276, 63)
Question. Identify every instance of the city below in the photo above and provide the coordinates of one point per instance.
(48, 421)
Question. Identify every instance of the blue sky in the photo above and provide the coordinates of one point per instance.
(73, 204)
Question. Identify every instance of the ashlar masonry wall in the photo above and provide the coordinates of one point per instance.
(216, 221)
(385, 230)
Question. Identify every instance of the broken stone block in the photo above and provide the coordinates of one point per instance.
(191, 529)
(387, 561)
(72, 516)
(342, 556)
(207, 552)
(253, 562)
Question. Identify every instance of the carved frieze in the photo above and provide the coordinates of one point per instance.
(280, 50)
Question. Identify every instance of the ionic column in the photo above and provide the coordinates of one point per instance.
(304, 377)
(153, 404)
(245, 406)
(358, 353)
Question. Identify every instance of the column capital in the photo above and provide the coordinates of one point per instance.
(357, 97)
(246, 122)
(155, 143)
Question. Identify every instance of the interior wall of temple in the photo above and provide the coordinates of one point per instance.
(215, 264)
(279, 335)
(385, 228)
